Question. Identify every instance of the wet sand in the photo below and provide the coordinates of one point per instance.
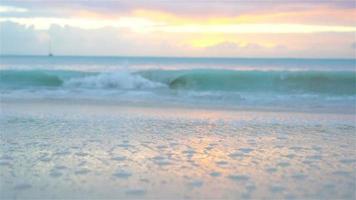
(68, 150)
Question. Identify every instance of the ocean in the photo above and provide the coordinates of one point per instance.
(177, 128)
(306, 84)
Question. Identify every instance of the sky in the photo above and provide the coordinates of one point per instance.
(193, 28)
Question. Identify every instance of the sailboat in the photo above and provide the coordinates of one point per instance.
(50, 49)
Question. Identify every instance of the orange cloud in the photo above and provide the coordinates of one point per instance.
(320, 15)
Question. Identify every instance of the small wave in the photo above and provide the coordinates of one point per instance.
(285, 82)
(14, 78)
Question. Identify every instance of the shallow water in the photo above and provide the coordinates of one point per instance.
(61, 149)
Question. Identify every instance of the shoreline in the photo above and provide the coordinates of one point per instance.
(180, 105)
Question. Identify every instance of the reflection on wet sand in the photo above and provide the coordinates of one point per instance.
(200, 154)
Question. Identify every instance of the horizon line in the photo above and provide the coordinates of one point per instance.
(191, 57)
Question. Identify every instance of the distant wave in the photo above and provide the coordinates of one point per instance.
(16, 78)
(302, 82)
(280, 82)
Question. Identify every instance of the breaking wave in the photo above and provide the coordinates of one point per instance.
(13, 79)
(117, 80)
(281, 82)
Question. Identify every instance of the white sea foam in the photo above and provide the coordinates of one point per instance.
(117, 80)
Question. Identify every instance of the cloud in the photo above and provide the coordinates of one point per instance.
(20, 39)
(190, 16)
(274, 28)
(44, 8)
(68, 40)
(6, 9)
(234, 49)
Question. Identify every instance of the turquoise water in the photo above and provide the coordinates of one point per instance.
(327, 83)
(117, 63)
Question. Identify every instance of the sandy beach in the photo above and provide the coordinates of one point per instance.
(52, 149)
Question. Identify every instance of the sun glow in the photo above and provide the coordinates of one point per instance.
(144, 21)
(255, 28)
(229, 32)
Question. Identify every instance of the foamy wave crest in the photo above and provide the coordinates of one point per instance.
(323, 83)
(118, 80)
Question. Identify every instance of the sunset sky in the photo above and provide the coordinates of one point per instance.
(226, 28)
